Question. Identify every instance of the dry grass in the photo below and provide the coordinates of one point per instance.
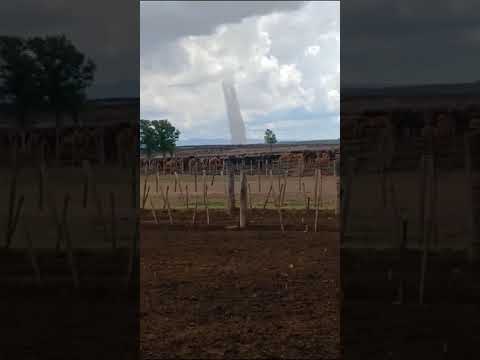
(217, 193)
(86, 227)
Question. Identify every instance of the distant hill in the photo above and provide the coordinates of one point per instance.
(464, 89)
(219, 141)
(199, 141)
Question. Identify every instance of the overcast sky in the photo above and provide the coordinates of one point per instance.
(283, 56)
(106, 31)
(403, 42)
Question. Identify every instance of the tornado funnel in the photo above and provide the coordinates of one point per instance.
(235, 120)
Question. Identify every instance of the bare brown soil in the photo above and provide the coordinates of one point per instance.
(207, 292)
(446, 326)
(55, 321)
(257, 219)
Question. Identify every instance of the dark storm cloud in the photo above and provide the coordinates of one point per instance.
(405, 42)
(107, 31)
(165, 21)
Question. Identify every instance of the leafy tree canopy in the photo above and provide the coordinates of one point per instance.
(270, 137)
(19, 76)
(65, 72)
(158, 136)
(44, 72)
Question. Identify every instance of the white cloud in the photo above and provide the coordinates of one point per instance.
(265, 55)
(312, 50)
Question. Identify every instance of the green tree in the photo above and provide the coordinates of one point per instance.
(19, 78)
(270, 138)
(44, 72)
(65, 74)
(158, 136)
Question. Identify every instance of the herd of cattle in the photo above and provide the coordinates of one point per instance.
(117, 143)
(410, 134)
(70, 145)
(406, 123)
(292, 161)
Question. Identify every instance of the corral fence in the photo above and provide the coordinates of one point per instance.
(287, 164)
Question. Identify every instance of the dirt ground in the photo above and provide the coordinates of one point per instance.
(55, 321)
(446, 326)
(371, 225)
(257, 219)
(206, 291)
(260, 293)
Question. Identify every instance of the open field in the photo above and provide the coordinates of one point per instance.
(363, 228)
(374, 326)
(212, 290)
(389, 241)
(88, 229)
(296, 196)
(77, 305)
(207, 292)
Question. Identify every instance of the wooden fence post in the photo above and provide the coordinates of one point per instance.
(42, 186)
(13, 221)
(231, 191)
(471, 226)
(170, 218)
(113, 221)
(268, 196)
(421, 199)
(205, 200)
(32, 256)
(195, 178)
(243, 199)
(401, 260)
(11, 206)
(279, 208)
(347, 192)
(299, 177)
(250, 196)
(195, 212)
(428, 224)
(320, 190)
(284, 186)
(68, 242)
(87, 182)
(154, 212)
